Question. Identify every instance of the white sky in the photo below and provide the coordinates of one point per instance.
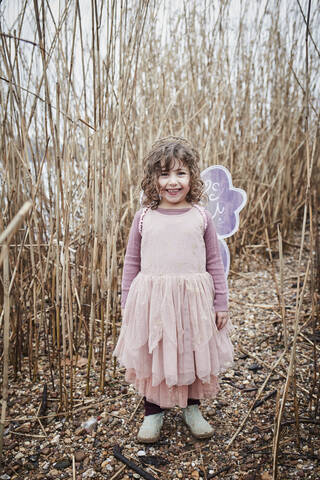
(251, 10)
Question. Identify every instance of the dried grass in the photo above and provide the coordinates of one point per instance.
(77, 115)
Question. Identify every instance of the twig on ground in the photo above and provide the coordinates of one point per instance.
(28, 435)
(266, 397)
(73, 467)
(134, 412)
(221, 470)
(118, 472)
(117, 453)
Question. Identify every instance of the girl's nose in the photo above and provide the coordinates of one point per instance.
(172, 180)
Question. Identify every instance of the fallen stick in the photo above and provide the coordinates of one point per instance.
(117, 453)
(266, 397)
(28, 435)
(257, 305)
(301, 420)
(73, 467)
(58, 414)
(224, 469)
(240, 387)
(228, 382)
(135, 410)
(290, 422)
(39, 421)
(118, 472)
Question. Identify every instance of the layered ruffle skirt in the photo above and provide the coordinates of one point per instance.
(169, 342)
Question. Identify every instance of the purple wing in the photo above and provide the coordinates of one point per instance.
(225, 255)
(224, 203)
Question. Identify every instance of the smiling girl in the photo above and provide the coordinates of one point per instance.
(174, 337)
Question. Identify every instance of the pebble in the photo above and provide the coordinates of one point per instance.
(90, 473)
(54, 473)
(105, 420)
(25, 428)
(19, 456)
(62, 463)
(79, 455)
(89, 440)
(5, 477)
(141, 453)
(34, 458)
(136, 475)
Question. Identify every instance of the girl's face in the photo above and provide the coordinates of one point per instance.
(174, 185)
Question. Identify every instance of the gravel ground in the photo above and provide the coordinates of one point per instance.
(59, 447)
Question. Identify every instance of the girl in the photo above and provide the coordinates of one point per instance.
(174, 337)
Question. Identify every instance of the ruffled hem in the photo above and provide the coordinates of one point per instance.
(167, 397)
(169, 342)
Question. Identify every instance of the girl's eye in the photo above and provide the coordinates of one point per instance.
(163, 174)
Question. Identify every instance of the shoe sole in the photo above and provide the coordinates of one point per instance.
(148, 440)
(200, 436)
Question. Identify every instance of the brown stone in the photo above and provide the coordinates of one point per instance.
(80, 455)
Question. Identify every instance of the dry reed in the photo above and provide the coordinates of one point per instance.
(82, 99)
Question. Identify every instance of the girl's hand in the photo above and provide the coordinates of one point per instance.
(221, 319)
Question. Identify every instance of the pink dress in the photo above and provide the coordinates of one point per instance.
(169, 342)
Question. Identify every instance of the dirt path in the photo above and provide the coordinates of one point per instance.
(33, 450)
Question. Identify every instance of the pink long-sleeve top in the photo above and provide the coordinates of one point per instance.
(214, 263)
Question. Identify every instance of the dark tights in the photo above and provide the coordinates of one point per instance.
(152, 408)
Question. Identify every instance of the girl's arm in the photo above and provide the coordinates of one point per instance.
(131, 266)
(214, 266)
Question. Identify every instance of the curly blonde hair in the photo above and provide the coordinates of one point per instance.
(162, 154)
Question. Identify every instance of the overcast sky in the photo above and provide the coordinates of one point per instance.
(288, 13)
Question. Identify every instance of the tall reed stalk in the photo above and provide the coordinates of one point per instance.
(84, 91)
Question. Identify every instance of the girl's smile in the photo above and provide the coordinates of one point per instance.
(174, 185)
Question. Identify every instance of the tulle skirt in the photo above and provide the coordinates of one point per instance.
(169, 342)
